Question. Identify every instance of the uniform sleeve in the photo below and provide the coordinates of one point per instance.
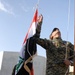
(38, 29)
(71, 58)
(42, 42)
(46, 44)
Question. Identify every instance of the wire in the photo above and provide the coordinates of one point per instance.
(68, 27)
(67, 34)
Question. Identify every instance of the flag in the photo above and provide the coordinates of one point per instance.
(32, 28)
(25, 54)
(31, 32)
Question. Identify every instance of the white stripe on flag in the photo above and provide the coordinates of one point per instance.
(32, 31)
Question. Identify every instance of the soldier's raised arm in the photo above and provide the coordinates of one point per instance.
(42, 42)
(39, 24)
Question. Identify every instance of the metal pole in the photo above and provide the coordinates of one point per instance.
(74, 37)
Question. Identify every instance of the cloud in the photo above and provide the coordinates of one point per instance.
(5, 8)
(25, 9)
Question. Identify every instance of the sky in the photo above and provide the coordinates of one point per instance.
(16, 17)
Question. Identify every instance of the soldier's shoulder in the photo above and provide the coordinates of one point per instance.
(67, 42)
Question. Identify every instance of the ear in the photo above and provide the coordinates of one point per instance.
(51, 37)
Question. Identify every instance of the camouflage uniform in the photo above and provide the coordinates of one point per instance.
(55, 52)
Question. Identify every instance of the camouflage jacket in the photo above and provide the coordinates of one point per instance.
(56, 50)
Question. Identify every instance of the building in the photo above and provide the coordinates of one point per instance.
(9, 59)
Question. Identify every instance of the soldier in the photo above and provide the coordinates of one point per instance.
(56, 49)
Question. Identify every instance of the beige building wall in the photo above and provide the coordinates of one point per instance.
(9, 59)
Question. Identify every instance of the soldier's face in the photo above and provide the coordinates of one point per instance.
(56, 34)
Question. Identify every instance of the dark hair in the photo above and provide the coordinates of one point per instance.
(53, 31)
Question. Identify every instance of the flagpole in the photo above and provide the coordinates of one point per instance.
(37, 5)
(74, 37)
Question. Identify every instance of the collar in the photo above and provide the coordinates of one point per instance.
(57, 39)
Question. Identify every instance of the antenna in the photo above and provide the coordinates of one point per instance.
(74, 37)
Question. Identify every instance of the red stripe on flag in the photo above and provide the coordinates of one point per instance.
(32, 71)
(34, 20)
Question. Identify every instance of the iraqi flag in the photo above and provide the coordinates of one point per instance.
(28, 50)
(31, 44)
(32, 28)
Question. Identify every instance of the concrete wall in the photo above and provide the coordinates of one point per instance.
(39, 65)
(8, 62)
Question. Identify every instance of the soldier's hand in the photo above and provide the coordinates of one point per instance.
(67, 62)
(40, 18)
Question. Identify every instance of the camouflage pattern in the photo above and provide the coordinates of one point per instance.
(55, 52)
